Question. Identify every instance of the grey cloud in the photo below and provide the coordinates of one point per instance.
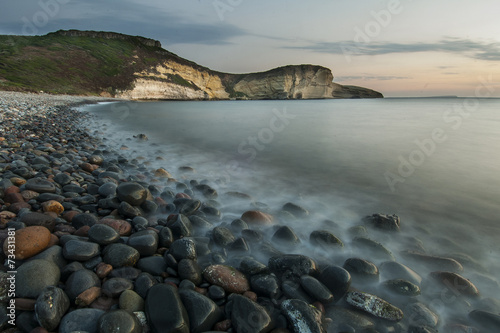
(473, 49)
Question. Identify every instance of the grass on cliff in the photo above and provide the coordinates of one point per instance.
(72, 65)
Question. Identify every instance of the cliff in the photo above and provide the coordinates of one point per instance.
(134, 67)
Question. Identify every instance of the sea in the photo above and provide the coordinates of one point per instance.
(434, 162)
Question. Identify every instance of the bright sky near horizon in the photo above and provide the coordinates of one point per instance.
(398, 47)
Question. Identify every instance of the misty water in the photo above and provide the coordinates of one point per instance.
(434, 162)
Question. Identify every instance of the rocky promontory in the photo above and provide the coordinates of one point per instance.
(133, 67)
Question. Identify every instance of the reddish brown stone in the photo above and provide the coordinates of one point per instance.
(16, 207)
(13, 197)
(102, 270)
(160, 202)
(182, 195)
(83, 231)
(12, 189)
(121, 226)
(28, 195)
(250, 295)
(89, 167)
(256, 217)
(52, 206)
(54, 240)
(203, 291)
(223, 326)
(103, 303)
(88, 296)
(68, 216)
(25, 304)
(230, 279)
(65, 228)
(29, 242)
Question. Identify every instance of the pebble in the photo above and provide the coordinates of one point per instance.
(154, 265)
(103, 234)
(190, 270)
(325, 240)
(80, 281)
(316, 289)
(303, 317)
(456, 283)
(165, 310)
(40, 185)
(28, 242)
(384, 222)
(131, 301)
(88, 296)
(34, 275)
(374, 305)
(113, 287)
(258, 218)
(294, 264)
(81, 320)
(144, 241)
(362, 270)
(265, 285)
(53, 206)
(184, 248)
(119, 255)
(83, 219)
(80, 250)
(230, 279)
(395, 270)
(285, 236)
(119, 321)
(39, 219)
(420, 314)
(248, 316)
(51, 305)
(402, 287)
(132, 193)
(203, 313)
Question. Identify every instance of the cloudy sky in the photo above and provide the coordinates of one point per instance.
(398, 47)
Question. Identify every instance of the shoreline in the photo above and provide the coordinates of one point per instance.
(114, 229)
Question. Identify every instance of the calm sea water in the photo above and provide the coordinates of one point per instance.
(434, 162)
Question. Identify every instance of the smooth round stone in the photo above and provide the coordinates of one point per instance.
(81, 320)
(165, 310)
(293, 290)
(487, 320)
(180, 225)
(357, 320)
(127, 210)
(119, 321)
(145, 241)
(295, 264)
(295, 210)
(325, 240)
(362, 270)
(140, 223)
(432, 262)
(285, 236)
(383, 222)
(50, 307)
(107, 189)
(222, 236)
(266, 285)
(96, 159)
(121, 226)
(302, 317)
(252, 236)
(80, 250)
(83, 219)
(216, 292)
(316, 289)
(420, 314)
(402, 287)
(73, 188)
(203, 313)
(337, 280)
(456, 283)
(63, 179)
(375, 249)
(143, 283)
(26, 321)
(166, 238)
(255, 217)
(395, 270)
(80, 281)
(190, 270)
(39, 219)
(206, 190)
(53, 207)
(183, 248)
(28, 242)
(119, 255)
(374, 305)
(251, 266)
(103, 234)
(40, 185)
(131, 301)
(34, 275)
(84, 200)
(113, 287)
(189, 207)
(154, 265)
(242, 309)
(69, 269)
(132, 193)
(53, 254)
(232, 280)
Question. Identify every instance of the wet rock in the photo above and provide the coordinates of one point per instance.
(342, 316)
(232, 280)
(303, 317)
(325, 240)
(434, 263)
(203, 313)
(103, 234)
(216, 292)
(486, 320)
(131, 301)
(127, 210)
(362, 270)
(384, 222)
(121, 226)
(119, 255)
(376, 250)
(34, 275)
(316, 289)
(143, 283)
(294, 264)
(107, 190)
(293, 290)
(28, 242)
(190, 270)
(113, 287)
(40, 185)
(80, 250)
(119, 321)
(395, 270)
(265, 285)
(295, 210)
(374, 305)
(420, 314)
(456, 283)
(88, 297)
(80, 281)
(83, 219)
(188, 207)
(144, 241)
(53, 207)
(285, 236)
(248, 316)
(184, 248)
(402, 287)
(251, 266)
(206, 191)
(154, 265)
(132, 193)
(38, 219)
(222, 236)
(180, 225)
(50, 307)
(81, 320)
(255, 217)
(165, 310)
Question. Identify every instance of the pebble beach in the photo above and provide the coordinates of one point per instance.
(96, 240)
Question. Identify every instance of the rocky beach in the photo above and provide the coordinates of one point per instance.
(97, 238)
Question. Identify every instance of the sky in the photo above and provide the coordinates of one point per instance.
(398, 47)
